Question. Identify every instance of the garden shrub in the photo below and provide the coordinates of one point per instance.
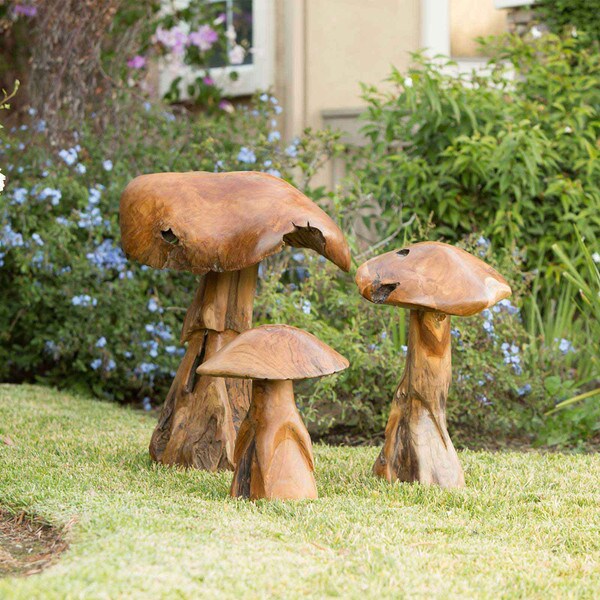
(74, 311)
(511, 152)
(494, 394)
(562, 14)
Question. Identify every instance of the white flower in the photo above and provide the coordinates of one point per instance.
(2, 180)
(408, 82)
(596, 257)
(236, 55)
(230, 34)
(107, 165)
(568, 129)
(536, 32)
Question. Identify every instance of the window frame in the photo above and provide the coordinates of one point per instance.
(259, 75)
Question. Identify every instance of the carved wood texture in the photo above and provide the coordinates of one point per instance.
(273, 453)
(201, 414)
(417, 445)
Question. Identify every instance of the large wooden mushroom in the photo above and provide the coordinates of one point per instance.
(273, 452)
(220, 226)
(434, 281)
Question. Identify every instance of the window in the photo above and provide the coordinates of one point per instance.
(253, 21)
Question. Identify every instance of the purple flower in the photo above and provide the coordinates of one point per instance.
(208, 80)
(137, 62)
(203, 38)
(174, 39)
(25, 10)
(226, 106)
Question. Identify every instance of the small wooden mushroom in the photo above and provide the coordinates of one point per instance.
(434, 281)
(273, 452)
(220, 226)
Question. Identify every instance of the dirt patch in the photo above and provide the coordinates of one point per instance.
(27, 544)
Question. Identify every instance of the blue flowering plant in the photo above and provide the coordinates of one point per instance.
(75, 312)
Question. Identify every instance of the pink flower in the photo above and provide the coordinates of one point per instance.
(204, 38)
(208, 81)
(137, 62)
(174, 39)
(226, 106)
(25, 10)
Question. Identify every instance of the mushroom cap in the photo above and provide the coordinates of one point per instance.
(274, 352)
(432, 276)
(202, 222)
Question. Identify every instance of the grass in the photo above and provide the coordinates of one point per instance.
(527, 524)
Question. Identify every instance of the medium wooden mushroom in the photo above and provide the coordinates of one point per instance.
(219, 226)
(434, 281)
(273, 452)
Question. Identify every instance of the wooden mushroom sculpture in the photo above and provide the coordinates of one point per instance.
(219, 226)
(434, 281)
(273, 452)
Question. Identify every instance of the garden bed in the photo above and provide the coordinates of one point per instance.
(27, 544)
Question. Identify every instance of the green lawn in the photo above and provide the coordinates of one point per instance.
(526, 526)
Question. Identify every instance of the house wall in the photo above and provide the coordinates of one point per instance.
(470, 19)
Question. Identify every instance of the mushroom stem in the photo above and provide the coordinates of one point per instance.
(417, 445)
(201, 414)
(273, 452)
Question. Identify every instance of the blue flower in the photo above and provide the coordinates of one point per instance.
(96, 364)
(152, 305)
(37, 258)
(69, 155)
(565, 346)
(292, 151)
(506, 305)
(63, 221)
(53, 194)
(171, 349)
(274, 172)
(110, 365)
(306, 307)
(11, 238)
(146, 403)
(107, 165)
(274, 136)
(90, 219)
(94, 195)
(19, 195)
(483, 400)
(80, 168)
(101, 342)
(264, 97)
(146, 368)
(37, 239)
(161, 330)
(246, 155)
(523, 391)
(107, 256)
(83, 300)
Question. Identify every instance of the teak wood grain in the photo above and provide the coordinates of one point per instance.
(273, 453)
(218, 225)
(435, 281)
